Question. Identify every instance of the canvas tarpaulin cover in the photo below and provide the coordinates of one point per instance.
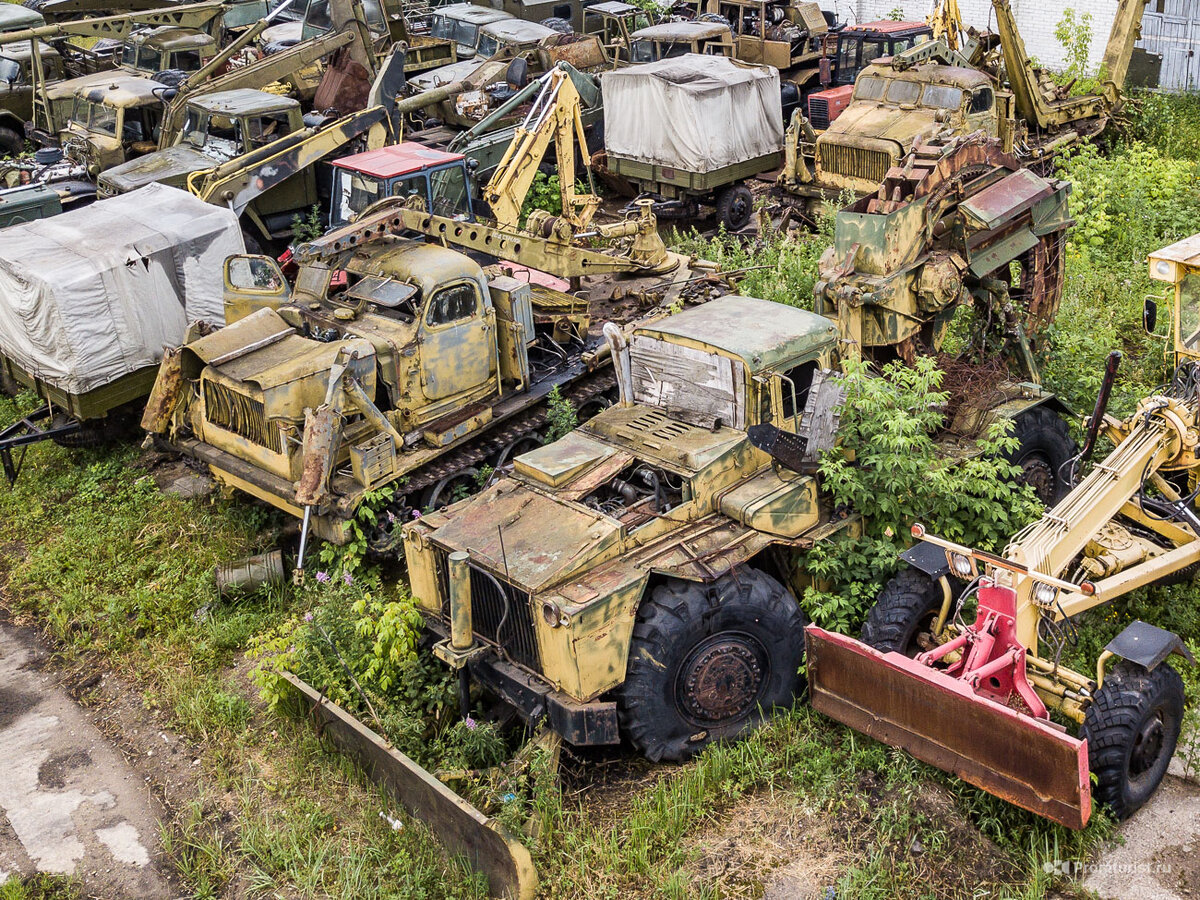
(97, 293)
(693, 112)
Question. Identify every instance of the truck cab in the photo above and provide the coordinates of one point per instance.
(146, 54)
(461, 23)
(436, 181)
(672, 39)
(850, 50)
(511, 34)
(114, 122)
(663, 494)
(217, 127)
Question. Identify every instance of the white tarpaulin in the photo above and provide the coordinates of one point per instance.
(696, 113)
(93, 294)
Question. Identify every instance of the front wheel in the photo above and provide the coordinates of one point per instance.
(707, 659)
(1044, 447)
(904, 614)
(1131, 729)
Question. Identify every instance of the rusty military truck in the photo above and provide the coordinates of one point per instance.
(413, 371)
(639, 575)
(932, 90)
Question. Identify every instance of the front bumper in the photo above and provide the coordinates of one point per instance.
(582, 724)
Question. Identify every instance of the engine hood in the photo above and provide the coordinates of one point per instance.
(531, 539)
(867, 120)
(170, 166)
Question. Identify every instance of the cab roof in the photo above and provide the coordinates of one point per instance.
(761, 333)
(680, 31)
(888, 26)
(171, 37)
(517, 30)
(243, 101)
(122, 90)
(469, 12)
(398, 159)
(14, 17)
(930, 73)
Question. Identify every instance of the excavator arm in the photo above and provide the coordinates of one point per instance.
(191, 15)
(554, 116)
(1126, 29)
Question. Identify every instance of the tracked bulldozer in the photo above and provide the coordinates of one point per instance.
(959, 661)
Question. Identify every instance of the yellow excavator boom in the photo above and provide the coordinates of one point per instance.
(554, 116)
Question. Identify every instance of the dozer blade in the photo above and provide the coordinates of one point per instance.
(485, 844)
(941, 721)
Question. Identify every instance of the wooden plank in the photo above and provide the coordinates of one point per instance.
(486, 844)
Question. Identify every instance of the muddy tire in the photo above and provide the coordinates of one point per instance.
(90, 434)
(735, 206)
(559, 24)
(1045, 445)
(11, 143)
(904, 614)
(1131, 728)
(707, 660)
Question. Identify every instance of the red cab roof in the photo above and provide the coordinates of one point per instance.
(886, 26)
(398, 159)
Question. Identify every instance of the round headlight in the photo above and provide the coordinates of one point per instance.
(961, 565)
(1044, 594)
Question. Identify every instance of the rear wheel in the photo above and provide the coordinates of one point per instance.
(1131, 728)
(735, 204)
(11, 143)
(1045, 446)
(904, 614)
(707, 660)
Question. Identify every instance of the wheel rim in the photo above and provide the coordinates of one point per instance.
(1147, 745)
(722, 679)
(449, 489)
(1038, 473)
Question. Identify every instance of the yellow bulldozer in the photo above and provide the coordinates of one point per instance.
(959, 658)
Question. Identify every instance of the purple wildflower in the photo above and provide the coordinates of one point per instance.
(308, 617)
(469, 722)
(348, 578)
(391, 516)
(323, 577)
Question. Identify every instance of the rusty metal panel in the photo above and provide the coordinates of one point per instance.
(1006, 199)
(940, 720)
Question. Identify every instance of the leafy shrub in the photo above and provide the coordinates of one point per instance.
(562, 418)
(889, 470)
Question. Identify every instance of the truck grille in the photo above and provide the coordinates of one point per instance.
(852, 162)
(818, 112)
(242, 415)
(500, 613)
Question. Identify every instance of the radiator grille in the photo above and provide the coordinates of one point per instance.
(853, 162)
(242, 415)
(500, 613)
(818, 112)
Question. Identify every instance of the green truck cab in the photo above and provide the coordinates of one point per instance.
(114, 121)
(16, 90)
(147, 53)
(639, 576)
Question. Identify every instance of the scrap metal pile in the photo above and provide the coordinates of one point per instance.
(639, 579)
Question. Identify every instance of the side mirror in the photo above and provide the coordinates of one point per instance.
(1150, 315)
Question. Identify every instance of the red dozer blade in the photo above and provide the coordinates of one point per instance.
(941, 721)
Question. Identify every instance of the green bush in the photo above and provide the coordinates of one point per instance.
(890, 471)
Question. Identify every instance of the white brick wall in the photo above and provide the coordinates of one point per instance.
(1036, 20)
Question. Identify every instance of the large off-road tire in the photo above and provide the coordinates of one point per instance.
(735, 206)
(904, 614)
(92, 433)
(707, 660)
(1045, 445)
(1131, 728)
(11, 143)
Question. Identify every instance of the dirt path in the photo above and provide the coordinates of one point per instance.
(69, 803)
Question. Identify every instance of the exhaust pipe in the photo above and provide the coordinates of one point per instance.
(1097, 419)
(462, 634)
(619, 348)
